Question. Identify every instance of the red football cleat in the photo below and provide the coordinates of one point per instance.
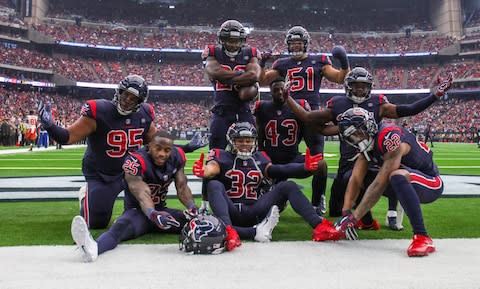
(326, 231)
(374, 226)
(232, 240)
(421, 246)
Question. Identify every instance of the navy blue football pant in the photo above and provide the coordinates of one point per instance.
(133, 224)
(96, 208)
(316, 141)
(243, 217)
(421, 189)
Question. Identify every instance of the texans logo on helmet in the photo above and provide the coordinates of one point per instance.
(200, 229)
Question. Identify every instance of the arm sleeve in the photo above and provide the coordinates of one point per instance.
(291, 170)
(416, 107)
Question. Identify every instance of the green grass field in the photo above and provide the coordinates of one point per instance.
(48, 222)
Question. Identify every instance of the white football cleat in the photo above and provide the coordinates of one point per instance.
(265, 227)
(394, 219)
(84, 240)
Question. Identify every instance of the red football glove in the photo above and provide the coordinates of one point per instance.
(311, 162)
(443, 85)
(198, 169)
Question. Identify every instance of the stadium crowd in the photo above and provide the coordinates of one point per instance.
(452, 120)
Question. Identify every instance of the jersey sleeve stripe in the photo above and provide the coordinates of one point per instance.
(93, 106)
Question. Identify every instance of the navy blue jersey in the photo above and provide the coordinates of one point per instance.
(114, 137)
(339, 104)
(282, 129)
(225, 94)
(241, 178)
(390, 137)
(305, 76)
(158, 178)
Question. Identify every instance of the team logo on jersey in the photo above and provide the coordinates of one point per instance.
(131, 167)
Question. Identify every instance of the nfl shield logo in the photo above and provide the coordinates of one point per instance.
(245, 163)
(165, 178)
(279, 112)
(128, 121)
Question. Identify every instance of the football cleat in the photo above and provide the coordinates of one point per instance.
(322, 206)
(232, 240)
(84, 240)
(374, 226)
(393, 221)
(326, 231)
(265, 227)
(421, 246)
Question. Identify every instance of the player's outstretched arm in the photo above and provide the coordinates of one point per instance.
(210, 170)
(396, 111)
(72, 134)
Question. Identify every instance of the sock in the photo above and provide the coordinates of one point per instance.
(410, 202)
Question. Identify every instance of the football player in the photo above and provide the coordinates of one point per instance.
(148, 174)
(234, 72)
(406, 170)
(112, 128)
(358, 84)
(237, 194)
(305, 72)
(31, 133)
(280, 131)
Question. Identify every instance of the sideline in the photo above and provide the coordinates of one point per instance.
(369, 264)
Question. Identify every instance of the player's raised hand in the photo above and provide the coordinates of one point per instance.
(346, 224)
(311, 162)
(443, 85)
(45, 114)
(162, 219)
(340, 53)
(198, 168)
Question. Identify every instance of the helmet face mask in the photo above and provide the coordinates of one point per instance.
(204, 234)
(242, 139)
(132, 91)
(358, 129)
(232, 36)
(296, 36)
(358, 85)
